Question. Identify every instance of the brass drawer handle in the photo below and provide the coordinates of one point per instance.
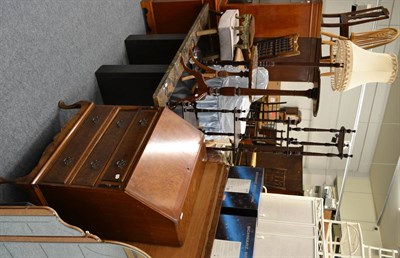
(95, 119)
(121, 163)
(95, 164)
(68, 161)
(120, 123)
(142, 122)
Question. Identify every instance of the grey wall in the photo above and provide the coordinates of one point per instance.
(49, 52)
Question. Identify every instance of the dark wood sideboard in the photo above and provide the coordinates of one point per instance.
(273, 18)
(131, 174)
(170, 16)
(283, 173)
(300, 68)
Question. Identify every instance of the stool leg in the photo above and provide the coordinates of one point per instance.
(206, 32)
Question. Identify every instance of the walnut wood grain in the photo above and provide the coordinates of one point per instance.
(277, 19)
(135, 185)
(204, 220)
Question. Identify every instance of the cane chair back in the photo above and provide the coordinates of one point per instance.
(366, 40)
(278, 47)
(376, 38)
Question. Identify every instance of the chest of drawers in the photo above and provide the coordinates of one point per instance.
(125, 173)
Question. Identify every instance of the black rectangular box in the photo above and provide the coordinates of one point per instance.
(129, 84)
(242, 191)
(153, 48)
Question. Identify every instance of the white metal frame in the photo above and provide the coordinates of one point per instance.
(315, 224)
(286, 217)
(350, 244)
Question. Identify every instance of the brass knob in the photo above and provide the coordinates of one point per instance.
(121, 163)
(95, 164)
(142, 122)
(95, 119)
(68, 160)
(120, 123)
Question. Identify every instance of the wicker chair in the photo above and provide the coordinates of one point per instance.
(365, 40)
(369, 39)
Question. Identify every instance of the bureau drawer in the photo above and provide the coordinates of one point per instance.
(70, 156)
(130, 147)
(101, 154)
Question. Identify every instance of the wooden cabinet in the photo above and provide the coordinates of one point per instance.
(170, 16)
(274, 18)
(125, 173)
(279, 18)
(282, 174)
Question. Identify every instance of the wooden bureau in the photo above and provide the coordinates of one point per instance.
(124, 173)
(274, 18)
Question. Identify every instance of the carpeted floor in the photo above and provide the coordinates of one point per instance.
(50, 50)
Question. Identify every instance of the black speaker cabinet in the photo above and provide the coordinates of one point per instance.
(153, 48)
(129, 84)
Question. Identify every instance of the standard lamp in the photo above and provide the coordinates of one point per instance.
(360, 66)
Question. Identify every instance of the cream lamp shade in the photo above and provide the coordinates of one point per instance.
(361, 66)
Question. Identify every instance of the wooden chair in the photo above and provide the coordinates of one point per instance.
(348, 19)
(278, 47)
(372, 39)
(369, 39)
